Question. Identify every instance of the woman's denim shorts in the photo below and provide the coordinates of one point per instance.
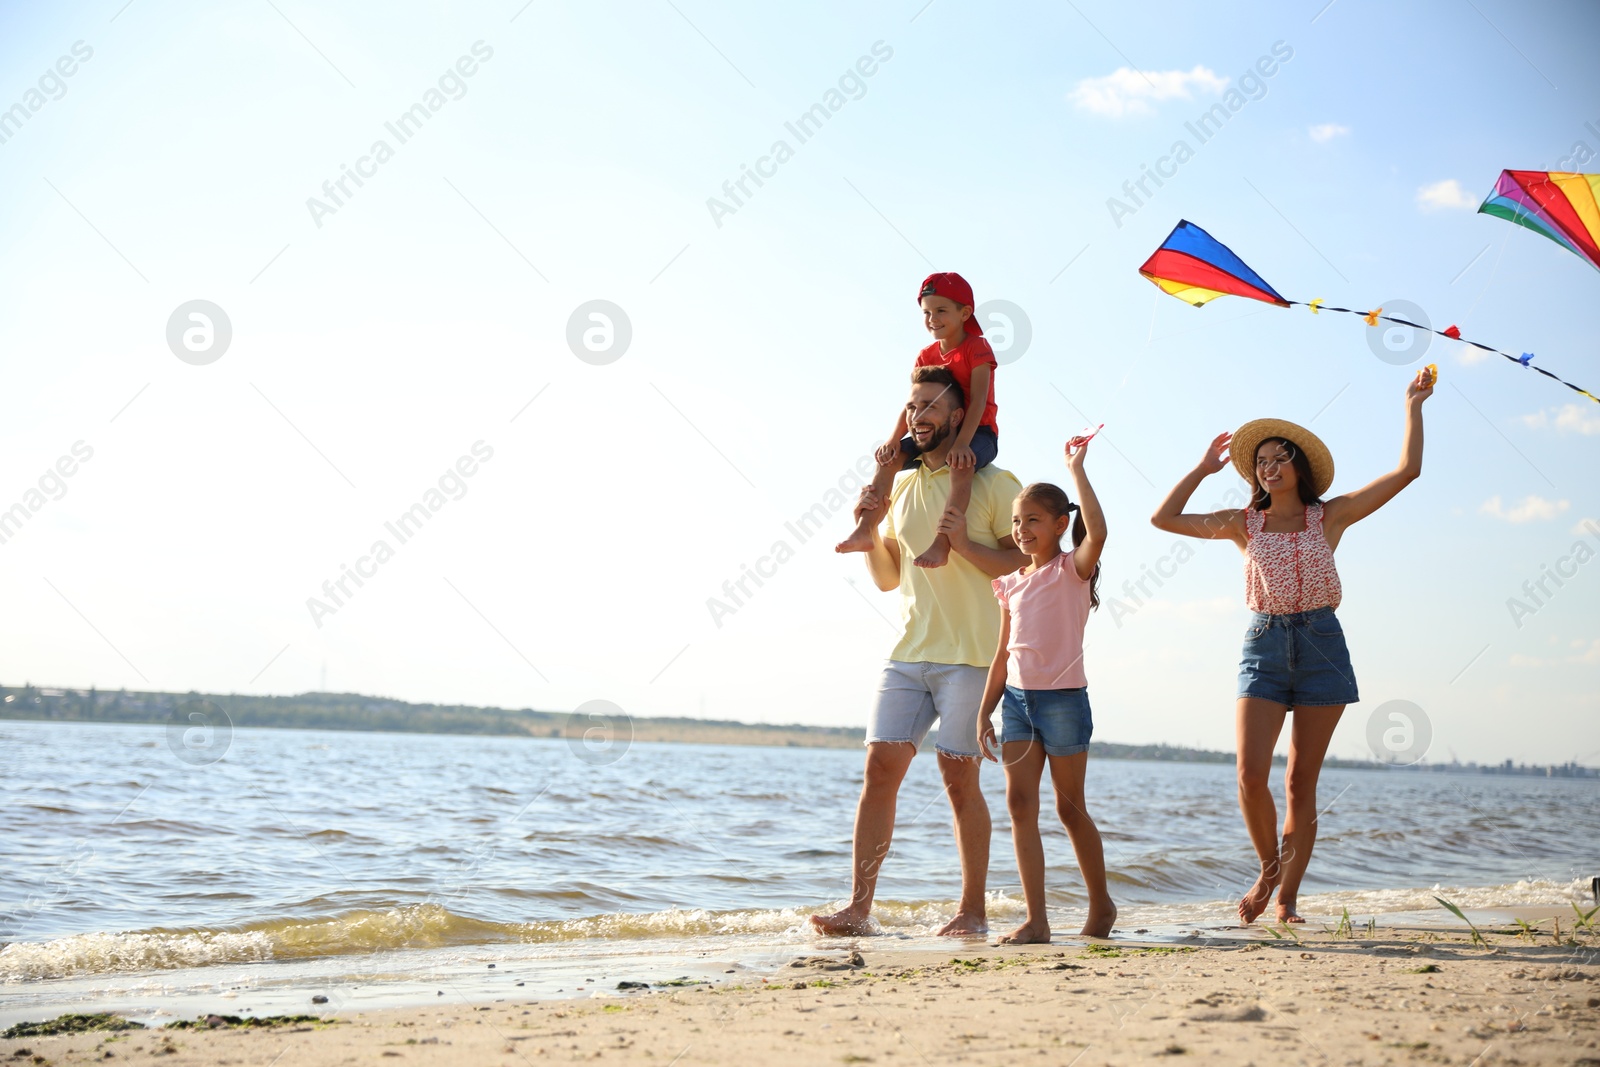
(1057, 718)
(1297, 660)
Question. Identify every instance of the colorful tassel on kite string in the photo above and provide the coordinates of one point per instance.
(1197, 268)
(1453, 333)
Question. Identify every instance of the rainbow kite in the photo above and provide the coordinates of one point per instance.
(1197, 268)
(1560, 206)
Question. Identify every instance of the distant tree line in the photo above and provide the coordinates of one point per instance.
(353, 711)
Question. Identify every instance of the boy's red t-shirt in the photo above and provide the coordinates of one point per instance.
(972, 352)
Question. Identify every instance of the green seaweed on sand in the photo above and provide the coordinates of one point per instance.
(1111, 952)
(246, 1022)
(1344, 929)
(1585, 919)
(73, 1024)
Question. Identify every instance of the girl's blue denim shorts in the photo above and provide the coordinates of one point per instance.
(1057, 718)
(1297, 660)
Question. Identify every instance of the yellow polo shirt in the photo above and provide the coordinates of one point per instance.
(949, 613)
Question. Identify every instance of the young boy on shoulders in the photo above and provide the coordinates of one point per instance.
(959, 344)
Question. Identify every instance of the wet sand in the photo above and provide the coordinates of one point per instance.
(1410, 995)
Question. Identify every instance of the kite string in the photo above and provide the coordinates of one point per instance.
(1493, 273)
(1463, 340)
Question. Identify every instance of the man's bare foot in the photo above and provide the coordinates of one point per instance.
(860, 540)
(1029, 933)
(846, 923)
(1286, 912)
(965, 925)
(1255, 902)
(938, 554)
(1100, 921)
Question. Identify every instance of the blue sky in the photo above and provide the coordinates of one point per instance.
(769, 346)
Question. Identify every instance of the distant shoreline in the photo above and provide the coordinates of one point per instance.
(357, 712)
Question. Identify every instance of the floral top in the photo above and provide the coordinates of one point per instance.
(1286, 573)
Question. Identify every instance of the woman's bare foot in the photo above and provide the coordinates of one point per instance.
(1255, 902)
(1029, 933)
(847, 923)
(966, 925)
(1101, 919)
(938, 553)
(1286, 912)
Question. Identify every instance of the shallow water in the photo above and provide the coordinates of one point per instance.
(328, 856)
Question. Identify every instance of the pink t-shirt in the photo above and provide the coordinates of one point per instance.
(1048, 609)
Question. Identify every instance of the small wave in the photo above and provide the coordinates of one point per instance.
(84, 954)
(1528, 892)
(426, 926)
(429, 926)
(50, 809)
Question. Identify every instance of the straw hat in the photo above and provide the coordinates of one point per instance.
(1248, 438)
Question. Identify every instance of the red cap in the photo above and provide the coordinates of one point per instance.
(951, 286)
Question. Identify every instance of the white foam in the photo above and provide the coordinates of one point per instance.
(427, 926)
(112, 952)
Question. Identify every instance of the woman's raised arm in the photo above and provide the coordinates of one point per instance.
(1225, 525)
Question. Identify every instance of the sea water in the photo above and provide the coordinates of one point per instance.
(385, 867)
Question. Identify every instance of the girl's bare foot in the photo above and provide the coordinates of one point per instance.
(1029, 933)
(938, 553)
(965, 925)
(1255, 902)
(1101, 919)
(1286, 912)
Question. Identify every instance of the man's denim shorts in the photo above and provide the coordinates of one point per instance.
(1297, 660)
(1059, 718)
(912, 695)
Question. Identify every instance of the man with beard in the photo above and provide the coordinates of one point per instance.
(938, 668)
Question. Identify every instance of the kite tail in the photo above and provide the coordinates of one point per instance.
(1317, 305)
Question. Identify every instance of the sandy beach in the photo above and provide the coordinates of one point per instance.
(1403, 995)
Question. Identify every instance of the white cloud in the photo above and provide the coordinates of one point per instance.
(1327, 131)
(1533, 507)
(1569, 418)
(1126, 91)
(1445, 194)
(1590, 654)
(1587, 526)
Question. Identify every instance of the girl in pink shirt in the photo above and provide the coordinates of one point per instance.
(1038, 669)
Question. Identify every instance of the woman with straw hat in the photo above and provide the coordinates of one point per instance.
(1294, 649)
